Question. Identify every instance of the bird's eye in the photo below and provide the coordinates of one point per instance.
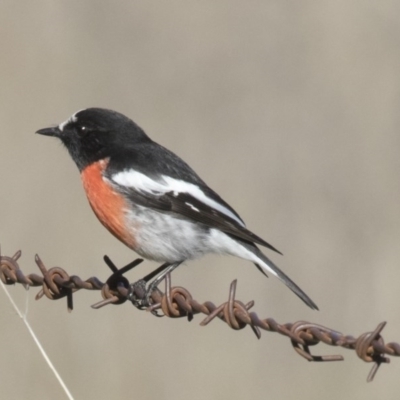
(82, 129)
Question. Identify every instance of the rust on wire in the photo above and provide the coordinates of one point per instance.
(177, 302)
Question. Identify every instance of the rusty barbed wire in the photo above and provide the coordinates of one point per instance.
(177, 302)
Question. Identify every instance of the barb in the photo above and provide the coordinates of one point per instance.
(177, 302)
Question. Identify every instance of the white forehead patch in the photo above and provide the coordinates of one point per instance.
(72, 119)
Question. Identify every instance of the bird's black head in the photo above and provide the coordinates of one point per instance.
(96, 133)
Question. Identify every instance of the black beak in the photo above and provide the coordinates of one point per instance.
(55, 131)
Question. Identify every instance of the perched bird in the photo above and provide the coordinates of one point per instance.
(151, 200)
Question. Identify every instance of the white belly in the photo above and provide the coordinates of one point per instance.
(162, 237)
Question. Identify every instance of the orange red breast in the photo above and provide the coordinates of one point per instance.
(109, 206)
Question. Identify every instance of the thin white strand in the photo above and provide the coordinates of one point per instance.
(36, 340)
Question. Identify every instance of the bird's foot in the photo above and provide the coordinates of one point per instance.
(140, 296)
(147, 300)
(137, 293)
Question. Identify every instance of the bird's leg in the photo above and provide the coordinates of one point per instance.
(154, 273)
(166, 269)
(138, 289)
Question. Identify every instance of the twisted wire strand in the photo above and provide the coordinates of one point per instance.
(177, 302)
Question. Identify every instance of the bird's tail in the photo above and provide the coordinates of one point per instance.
(265, 265)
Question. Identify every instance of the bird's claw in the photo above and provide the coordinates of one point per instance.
(140, 296)
(137, 294)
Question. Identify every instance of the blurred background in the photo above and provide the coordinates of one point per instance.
(290, 110)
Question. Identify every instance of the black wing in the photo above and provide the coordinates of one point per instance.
(182, 204)
(154, 161)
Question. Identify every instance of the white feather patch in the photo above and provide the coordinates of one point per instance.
(71, 119)
(65, 123)
(192, 206)
(219, 242)
(139, 181)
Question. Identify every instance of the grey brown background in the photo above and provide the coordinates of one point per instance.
(290, 109)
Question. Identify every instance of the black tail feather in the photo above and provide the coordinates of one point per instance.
(280, 275)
